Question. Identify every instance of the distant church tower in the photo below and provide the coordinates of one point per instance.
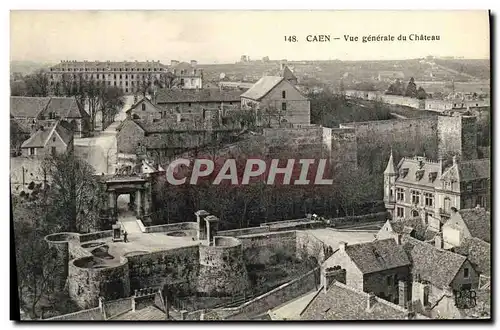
(390, 176)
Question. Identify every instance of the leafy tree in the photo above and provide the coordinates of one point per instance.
(411, 89)
(421, 94)
(396, 88)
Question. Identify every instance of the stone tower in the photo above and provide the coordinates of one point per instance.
(390, 176)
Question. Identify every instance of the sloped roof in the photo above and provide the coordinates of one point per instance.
(341, 302)
(478, 221)
(390, 166)
(40, 138)
(478, 252)
(420, 231)
(262, 87)
(93, 65)
(65, 107)
(196, 95)
(377, 256)
(288, 74)
(434, 265)
(21, 106)
(474, 169)
(418, 164)
(145, 99)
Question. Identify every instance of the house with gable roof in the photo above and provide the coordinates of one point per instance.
(277, 100)
(32, 112)
(467, 223)
(54, 139)
(380, 266)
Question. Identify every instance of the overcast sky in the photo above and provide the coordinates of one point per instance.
(223, 36)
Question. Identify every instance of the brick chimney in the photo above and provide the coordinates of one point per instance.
(438, 241)
(330, 275)
(399, 238)
(403, 293)
(371, 301)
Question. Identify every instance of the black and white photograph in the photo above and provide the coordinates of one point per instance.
(223, 165)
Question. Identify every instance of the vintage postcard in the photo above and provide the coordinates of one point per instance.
(250, 165)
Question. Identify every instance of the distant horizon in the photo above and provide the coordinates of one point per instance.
(167, 62)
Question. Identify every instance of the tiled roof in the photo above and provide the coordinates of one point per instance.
(41, 136)
(149, 313)
(478, 221)
(478, 252)
(288, 74)
(141, 101)
(420, 231)
(474, 169)
(377, 256)
(64, 107)
(196, 95)
(262, 87)
(418, 165)
(21, 106)
(434, 265)
(168, 125)
(341, 302)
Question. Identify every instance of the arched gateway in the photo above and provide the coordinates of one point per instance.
(139, 187)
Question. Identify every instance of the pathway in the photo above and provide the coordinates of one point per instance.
(100, 151)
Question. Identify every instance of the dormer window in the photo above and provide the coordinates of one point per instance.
(432, 176)
(403, 172)
(419, 175)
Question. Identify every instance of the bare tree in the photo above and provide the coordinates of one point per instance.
(75, 191)
(111, 100)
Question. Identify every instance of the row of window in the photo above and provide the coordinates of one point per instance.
(108, 69)
(415, 197)
(115, 76)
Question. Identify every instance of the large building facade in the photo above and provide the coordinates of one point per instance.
(130, 76)
(421, 187)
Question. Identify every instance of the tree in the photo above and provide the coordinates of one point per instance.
(111, 100)
(76, 194)
(37, 84)
(411, 89)
(421, 94)
(35, 262)
(396, 88)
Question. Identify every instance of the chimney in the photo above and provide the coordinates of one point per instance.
(370, 301)
(331, 275)
(200, 219)
(342, 246)
(178, 118)
(454, 160)
(403, 293)
(399, 238)
(438, 241)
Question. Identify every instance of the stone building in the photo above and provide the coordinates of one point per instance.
(29, 112)
(381, 267)
(128, 76)
(437, 273)
(422, 187)
(51, 140)
(189, 76)
(182, 101)
(277, 100)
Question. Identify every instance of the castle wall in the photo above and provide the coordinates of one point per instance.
(458, 135)
(222, 269)
(87, 283)
(176, 267)
(259, 249)
(60, 242)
